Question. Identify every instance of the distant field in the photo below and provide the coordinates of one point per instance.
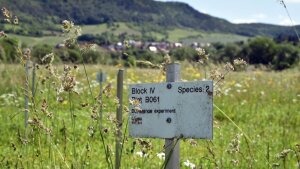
(187, 36)
(32, 41)
(117, 29)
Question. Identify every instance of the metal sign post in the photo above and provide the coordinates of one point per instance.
(101, 78)
(172, 147)
(119, 117)
(172, 110)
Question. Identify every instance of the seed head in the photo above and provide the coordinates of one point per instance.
(77, 31)
(6, 13)
(3, 34)
(16, 20)
(228, 67)
(70, 41)
(284, 153)
(202, 56)
(67, 26)
(239, 62)
(49, 58)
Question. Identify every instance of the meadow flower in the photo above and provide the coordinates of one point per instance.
(91, 131)
(49, 58)
(68, 81)
(234, 145)
(243, 102)
(27, 54)
(238, 85)
(274, 165)
(70, 41)
(202, 56)
(228, 67)
(16, 20)
(239, 62)
(134, 102)
(3, 34)
(141, 154)
(6, 13)
(193, 142)
(161, 155)
(189, 164)
(67, 26)
(77, 31)
(234, 162)
(284, 153)
(116, 102)
(215, 74)
(226, 91)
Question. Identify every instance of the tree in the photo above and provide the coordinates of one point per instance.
(262, 51)
(286, 56)
(40, 51)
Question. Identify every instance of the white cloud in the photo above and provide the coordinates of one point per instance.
(284, 20)
(260, 17)
(287, 22)
(292, 1)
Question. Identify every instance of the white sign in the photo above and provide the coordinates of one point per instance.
(171, 109)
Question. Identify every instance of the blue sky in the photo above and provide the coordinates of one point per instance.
(248, 11)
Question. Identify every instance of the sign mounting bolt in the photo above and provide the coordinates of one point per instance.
(169, 86)
(169, 120)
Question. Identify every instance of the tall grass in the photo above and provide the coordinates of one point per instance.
(268, 114)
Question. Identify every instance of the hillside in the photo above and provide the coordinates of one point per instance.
(39, 15)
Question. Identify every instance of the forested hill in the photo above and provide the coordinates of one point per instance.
(44, 14)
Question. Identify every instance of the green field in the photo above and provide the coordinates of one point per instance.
(117, 29)
(256, 121)
(32, 41)
(187, 36)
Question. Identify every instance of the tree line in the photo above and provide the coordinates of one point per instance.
(279, 53)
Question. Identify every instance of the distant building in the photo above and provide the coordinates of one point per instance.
(177, 44)
(153, 49)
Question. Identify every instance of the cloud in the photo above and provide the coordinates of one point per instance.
(287, 22)
(284, 20)
(292, 1)
(260, 17)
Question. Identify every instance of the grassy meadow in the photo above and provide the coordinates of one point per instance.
(256, 120)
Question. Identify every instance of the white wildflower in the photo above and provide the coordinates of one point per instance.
(238, 85)
(189, 164)
(141, 154)
(161, 156)
(226, 91)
